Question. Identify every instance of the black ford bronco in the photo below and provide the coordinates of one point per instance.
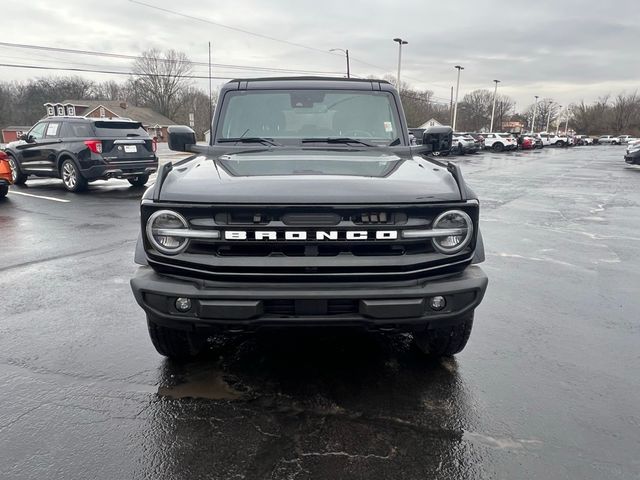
(309, 207)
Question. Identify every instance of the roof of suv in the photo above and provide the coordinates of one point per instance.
(337, 83)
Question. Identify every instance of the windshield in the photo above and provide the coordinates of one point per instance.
(291, 117)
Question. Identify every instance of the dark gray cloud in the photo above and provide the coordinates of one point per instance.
(564, 50)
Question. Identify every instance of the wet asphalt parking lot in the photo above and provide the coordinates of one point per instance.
(548, 387)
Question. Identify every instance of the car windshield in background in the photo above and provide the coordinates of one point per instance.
(292, 117)
(119, 129)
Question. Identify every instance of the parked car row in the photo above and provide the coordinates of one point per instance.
(615, 139)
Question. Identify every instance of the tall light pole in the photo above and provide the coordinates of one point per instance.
(566, 125)
(558, 121)
(493, 110)
(535, 111)
(346, 52)
(549, 105)
(455, 105)
(400, 43)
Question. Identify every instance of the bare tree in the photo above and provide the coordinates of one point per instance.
(474, 112)
(547, 109)
(624, 112)
(161, 79)
(195, 101)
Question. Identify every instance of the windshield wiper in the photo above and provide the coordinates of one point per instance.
(344, 140)
(264, 141)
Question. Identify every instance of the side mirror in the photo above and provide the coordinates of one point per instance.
(438, 138)
(181, 138)
(26, 137)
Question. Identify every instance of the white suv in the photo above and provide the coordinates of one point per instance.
(608, 140)
(500, 141)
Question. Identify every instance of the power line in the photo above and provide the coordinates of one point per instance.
(230, 27)
(137, 57)
(110, 72)
(255, 34)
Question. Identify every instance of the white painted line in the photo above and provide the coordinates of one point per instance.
(11, 192)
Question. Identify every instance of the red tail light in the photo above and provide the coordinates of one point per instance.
(94, 145)
(154, 144)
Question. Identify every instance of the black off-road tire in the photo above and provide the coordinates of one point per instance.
(498, 147)
(559, 143)
(4, 189)
(173, 343)
(445, 341)
(139, 181)
(17, 176)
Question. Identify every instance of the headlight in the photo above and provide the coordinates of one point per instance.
(159, 228)
(457, 229)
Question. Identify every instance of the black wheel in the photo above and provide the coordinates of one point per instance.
(16, 175)
(445, 341)
(139, 181)
(71, 176)
(4, 189)
(460, 149)
(175, 344)
(614, 143)
(498, 147)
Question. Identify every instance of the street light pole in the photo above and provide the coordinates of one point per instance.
(493, 110)
(455, 105)
(566, 125)
(346, 52)
(400, 43)
(548, 115)
(558, 121)
(535, 111)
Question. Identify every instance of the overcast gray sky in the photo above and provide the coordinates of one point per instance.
(566, 50)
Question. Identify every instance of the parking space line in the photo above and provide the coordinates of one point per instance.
(11, 192)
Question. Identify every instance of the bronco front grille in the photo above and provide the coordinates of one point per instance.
(333, 255)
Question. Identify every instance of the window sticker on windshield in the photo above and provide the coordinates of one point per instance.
(388, 127)
(52, 129)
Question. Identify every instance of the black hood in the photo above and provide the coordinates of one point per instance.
(309, 176)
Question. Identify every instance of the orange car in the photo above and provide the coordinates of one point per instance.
(5, 174)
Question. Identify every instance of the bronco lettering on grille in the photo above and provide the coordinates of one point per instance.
(321, 235)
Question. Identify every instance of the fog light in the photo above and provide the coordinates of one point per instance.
(437, 302)
(183, 304)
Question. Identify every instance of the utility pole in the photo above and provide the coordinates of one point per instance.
(210, 95)
(451, 107)
(400, 43)
(493, 110)
(455, 105)
(535, 111)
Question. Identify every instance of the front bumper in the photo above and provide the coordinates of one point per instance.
(632, 158)
(246, 307)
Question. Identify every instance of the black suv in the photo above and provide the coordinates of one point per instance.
(79, 150)
(310, 207)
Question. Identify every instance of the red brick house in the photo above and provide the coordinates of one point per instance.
(11, 133)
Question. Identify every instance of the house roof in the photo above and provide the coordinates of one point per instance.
(14, 127)
(144, 115)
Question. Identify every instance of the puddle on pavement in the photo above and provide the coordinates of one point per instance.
(500, 443)
(208, 384)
